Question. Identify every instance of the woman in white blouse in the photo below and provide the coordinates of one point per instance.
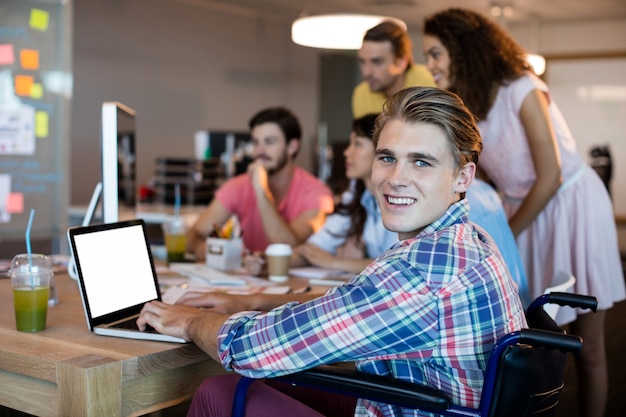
(356, 222)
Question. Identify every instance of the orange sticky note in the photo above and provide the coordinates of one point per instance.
(7, 57)
(29, 59)
(15, 203)
(23, 84)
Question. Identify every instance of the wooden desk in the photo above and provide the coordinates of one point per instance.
(68, 371)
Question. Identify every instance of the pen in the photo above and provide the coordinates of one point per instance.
(327, 281)
(302, 290)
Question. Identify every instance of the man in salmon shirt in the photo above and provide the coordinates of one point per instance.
(275, 200)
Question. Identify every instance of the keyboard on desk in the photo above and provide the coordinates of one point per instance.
(203, 273)
(131, 324)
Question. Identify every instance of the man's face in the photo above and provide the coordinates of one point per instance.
(379, 66)
(269, 146)
(414, 176)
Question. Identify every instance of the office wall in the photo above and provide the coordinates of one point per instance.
(182, 68)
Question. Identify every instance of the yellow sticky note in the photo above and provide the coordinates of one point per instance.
(7, 57)
(39, 19)
(41, 124)
(36, 91)
(15, 203)
(23, 84)
(29, 59)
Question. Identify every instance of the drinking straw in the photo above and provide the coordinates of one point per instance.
(176, 199)
(30, 224)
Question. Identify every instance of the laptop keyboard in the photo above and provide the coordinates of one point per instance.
(131, 324)
(127, 324)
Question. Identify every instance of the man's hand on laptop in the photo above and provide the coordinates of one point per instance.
(166, 318)
(189, 323)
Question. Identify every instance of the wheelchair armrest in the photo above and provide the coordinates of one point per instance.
(550, 340)
(564, 299)
(374, 387)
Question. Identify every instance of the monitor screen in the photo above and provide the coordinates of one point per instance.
(118, 154)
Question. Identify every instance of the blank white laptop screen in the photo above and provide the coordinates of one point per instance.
(108, 259)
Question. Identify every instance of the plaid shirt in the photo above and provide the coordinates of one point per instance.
(429, 310)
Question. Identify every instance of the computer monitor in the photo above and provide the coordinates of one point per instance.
(117, 148)
(91, 210)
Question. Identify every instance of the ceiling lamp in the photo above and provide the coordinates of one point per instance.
(538, 63)
(335, 31)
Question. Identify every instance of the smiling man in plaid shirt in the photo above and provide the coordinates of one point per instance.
(428, 310)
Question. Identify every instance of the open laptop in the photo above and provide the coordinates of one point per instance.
(116, 276)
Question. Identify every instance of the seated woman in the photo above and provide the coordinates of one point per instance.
(356, 222)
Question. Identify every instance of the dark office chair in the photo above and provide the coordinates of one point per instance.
(524, 375)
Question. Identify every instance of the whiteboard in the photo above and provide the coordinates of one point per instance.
(35, 95)
(591, 94)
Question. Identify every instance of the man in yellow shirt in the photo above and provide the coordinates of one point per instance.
(386, 63)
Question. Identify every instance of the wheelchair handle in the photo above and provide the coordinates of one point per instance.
(565, 299)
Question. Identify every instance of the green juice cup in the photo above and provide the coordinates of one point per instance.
(30, 277)
(174, 234)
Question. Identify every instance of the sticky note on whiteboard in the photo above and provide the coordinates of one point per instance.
(41, 124)
(29, 59)
(7, 55)
(39, 19)
(15, 203)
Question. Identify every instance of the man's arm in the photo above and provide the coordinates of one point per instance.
(322, 259)
(202, 326)
(230, 304)
(294, 233)
(275, 227)
(215, 214)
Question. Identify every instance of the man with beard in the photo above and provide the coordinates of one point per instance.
(386, 63)
(275, 201)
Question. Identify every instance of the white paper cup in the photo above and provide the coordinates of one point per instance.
(277, 256)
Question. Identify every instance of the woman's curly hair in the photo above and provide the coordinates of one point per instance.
(481, 52)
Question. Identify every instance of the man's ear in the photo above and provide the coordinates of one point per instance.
(402, 62)
(465, 177)
(293, 146)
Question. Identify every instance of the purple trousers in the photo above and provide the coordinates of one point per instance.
(267, 398)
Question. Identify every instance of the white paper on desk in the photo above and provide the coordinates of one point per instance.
(172, 294)
(314, 272)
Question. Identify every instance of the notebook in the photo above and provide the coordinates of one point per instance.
(116, 276)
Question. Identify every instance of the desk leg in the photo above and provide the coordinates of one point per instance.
(90, 386)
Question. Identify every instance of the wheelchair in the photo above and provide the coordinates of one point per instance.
(524, 374)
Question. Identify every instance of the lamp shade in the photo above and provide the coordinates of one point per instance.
(335, 31)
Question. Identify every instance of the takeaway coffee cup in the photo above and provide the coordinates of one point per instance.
(277, 256)
(30, 278)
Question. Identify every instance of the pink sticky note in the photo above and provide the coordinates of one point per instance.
(15, 203)
(7, 55)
